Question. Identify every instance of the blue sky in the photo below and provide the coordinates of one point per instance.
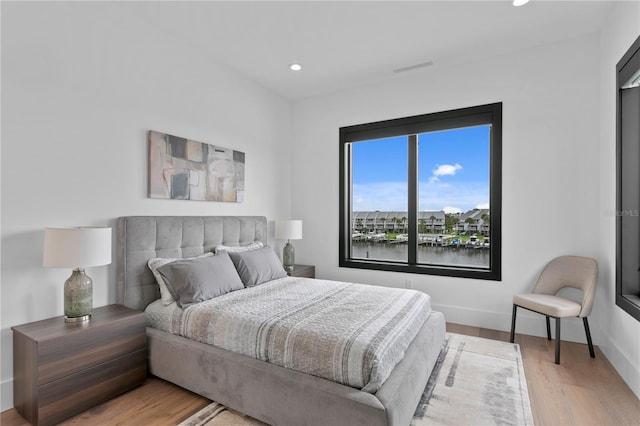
(453, 171)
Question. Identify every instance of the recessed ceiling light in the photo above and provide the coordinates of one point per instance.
(295, 67)
(520, 2)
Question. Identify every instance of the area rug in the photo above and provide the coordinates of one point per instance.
(475, 381)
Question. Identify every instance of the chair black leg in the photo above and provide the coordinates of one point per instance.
(557, 340)
(513, 323)
(548, 328)
(588, 333)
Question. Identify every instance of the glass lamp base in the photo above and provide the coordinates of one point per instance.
(288, 257)
(78, 296)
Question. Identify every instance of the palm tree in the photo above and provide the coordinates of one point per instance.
(432, 218)
(384, 224)
(469, 220)
(485, 218)
(451, 222)
(422, 226)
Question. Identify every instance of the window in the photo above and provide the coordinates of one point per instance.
(628, 179)
(422, 194)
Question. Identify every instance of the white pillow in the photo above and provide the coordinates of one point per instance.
(157, 262)
(237, 249)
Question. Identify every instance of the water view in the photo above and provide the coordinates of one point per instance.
(453, 218)
(434, 255)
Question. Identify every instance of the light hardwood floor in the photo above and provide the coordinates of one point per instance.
(579, 391)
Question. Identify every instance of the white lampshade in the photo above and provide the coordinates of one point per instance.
(289, 229)
(76, 247)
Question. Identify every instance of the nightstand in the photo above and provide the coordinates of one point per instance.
(61, 369)
(306, 271)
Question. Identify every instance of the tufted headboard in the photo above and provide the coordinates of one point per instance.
(143, 237)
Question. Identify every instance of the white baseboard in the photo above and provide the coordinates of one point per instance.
(6, 395)
(628, 370)
(526, 322)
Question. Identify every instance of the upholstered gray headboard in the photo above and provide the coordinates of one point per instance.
(143, 237)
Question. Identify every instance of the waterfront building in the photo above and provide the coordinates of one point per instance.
(474, 221)
(432, 222)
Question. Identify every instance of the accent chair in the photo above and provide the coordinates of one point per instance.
(564, 271)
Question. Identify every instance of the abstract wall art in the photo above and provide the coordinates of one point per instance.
(183, 169)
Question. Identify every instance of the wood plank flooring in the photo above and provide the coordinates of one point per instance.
(579, 391)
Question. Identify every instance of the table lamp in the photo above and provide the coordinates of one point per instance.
(77, 248)
(288, 230)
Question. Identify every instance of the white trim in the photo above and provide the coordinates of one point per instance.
(6, 395)
(527, 322)
(628, 370)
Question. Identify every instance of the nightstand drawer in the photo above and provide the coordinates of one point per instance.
(61, 357)
(61, 369)
(73, 394)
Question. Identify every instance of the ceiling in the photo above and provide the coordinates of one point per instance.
(343, 45)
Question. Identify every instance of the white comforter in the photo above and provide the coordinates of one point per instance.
(352, 334)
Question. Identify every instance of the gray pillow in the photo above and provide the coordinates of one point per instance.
(258, 266)
(155, 263)
(196, 280)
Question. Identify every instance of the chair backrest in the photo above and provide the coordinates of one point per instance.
(570, 271)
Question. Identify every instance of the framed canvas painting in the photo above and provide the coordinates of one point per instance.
(183, 169)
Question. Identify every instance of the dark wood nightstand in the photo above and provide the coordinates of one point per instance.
(306, 271)
(61, 369)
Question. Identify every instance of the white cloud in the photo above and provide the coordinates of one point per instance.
(450, 209)
(444, 170)
(482, 206)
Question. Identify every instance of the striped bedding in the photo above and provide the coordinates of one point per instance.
(352, 334)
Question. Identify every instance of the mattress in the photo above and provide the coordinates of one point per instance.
(348, 333)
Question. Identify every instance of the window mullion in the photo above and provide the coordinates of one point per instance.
(412, 202)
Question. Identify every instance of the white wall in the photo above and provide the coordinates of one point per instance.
(81, 85)
(83, 82)
(558, 176)
(550, 171)
(621, 332)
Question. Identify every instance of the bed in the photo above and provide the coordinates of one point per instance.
(268, 392)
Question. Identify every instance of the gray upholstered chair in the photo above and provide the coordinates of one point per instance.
(564, 271)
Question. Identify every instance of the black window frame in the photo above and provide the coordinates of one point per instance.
(627, 287)
(411, 127)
